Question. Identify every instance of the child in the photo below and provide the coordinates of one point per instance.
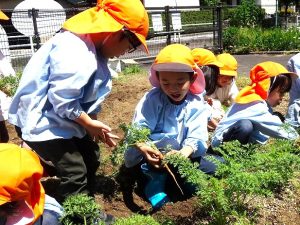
(293, 114)
(225, 89)
(22, 197)
(56, 104)
(5, 70)
(173, 111)
(250, 118)
(210, 66)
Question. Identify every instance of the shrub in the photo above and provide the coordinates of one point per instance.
(247, 14)
(245, 40)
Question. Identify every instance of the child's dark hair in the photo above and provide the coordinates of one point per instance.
(282, 82)
(211, 74)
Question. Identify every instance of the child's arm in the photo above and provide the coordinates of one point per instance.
(98, 130)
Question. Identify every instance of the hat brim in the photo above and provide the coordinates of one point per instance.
(3, 16)
(174, 67)
(218, 64)
(92, 21)
(143, 46)
(228, 73)
(197, 86)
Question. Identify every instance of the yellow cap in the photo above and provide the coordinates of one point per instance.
(205, 57)
(260, 76)
(22, 171)
(230, 64)
(3, 16)
(112, 16)
(177, 58)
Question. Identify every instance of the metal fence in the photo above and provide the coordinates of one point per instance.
(27, 30)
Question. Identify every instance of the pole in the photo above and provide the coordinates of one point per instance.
(276, 14)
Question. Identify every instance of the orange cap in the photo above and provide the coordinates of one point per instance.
(22, 171)
(112, 16)
(3, 16)
(205, 57)
(177, 58)
(259, 75)
(230, 65)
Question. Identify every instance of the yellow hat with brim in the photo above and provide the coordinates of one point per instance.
(205, 57)
(21, 182)
(112, 16)
(3, 16)
(260, 76)
(177, 58)
(230, 64)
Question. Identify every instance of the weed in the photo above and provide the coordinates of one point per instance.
(80, 209)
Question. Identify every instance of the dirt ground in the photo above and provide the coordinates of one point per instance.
(118, 108)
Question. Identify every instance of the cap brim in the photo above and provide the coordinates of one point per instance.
(3, 16)
(218, 64)
(174, 67)
(228, 73)
(91, 21)
(23, 214)
(143, 46)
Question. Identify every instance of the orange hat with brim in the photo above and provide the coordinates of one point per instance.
(230, 64)
(205, 57)
(22, 171)
(260, 77)
(177, 58)
(3, 16)
(112, 16)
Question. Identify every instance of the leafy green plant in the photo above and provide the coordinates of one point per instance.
(134, 135)
(132, 69)
(10, 84)
(137, 219)
(80, 209)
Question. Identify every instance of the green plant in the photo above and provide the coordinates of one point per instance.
(134, 135)
(132, 69)
(247, 14)
(80, 209)
(136, 219)
(10, 84)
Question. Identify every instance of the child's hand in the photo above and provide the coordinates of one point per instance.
(153, 156)
(101, 132)
(185, 151)
(98, 130)
(209, 101)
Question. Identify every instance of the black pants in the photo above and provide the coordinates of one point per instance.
(76, 161)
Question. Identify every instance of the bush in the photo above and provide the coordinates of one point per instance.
(244, 40)
(247, 14)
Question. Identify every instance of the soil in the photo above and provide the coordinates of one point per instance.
(118, 108)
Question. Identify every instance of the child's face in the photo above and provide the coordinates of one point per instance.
(275, 97)
(224, 80)
(114, 45)
(175, 84)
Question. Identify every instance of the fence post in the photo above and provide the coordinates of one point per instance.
(220, 27)
(168, 24)
(34, 13)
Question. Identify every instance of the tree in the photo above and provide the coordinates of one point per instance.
(247, 14)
